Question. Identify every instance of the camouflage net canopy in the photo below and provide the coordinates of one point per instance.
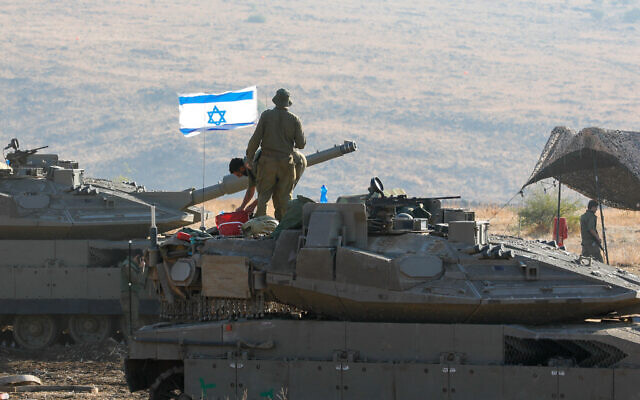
(574, 158)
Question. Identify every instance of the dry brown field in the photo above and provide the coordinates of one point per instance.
(441, 97)
(622, 229)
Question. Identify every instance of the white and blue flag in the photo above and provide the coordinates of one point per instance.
(222, 111)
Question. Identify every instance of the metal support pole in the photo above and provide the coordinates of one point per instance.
(519, 217)
(604, 232)
(130, 287)
(203, 228)
(558, 217)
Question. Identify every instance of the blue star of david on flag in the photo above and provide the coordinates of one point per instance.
(201, 112)
(216, 111)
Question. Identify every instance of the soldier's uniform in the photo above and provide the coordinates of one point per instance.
(300, 164)
(590, 248)
(299, 161)
(278, 132)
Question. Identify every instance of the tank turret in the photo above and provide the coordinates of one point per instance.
(43, 197)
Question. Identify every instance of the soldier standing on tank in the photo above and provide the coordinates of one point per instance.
(278, 133)
(590, 238)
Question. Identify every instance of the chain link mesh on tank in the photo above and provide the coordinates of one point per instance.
(200, 308)
(574, 158)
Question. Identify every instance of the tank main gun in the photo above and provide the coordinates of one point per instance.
(331, 153)
(231, 184)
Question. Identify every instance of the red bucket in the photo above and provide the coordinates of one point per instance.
(183, 236)
(230, 224)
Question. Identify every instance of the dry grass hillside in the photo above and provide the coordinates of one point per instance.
(623, 233)
(441, 97)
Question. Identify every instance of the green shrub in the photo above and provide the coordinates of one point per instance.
(540, 208)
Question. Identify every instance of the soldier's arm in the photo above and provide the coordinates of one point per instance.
(248, 195)
(252, 206)
(592, 229)
(299, 138)
(256, 139)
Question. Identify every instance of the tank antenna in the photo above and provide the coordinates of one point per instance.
(130, 284)
(153, 230)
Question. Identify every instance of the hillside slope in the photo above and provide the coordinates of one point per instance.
(441, 99)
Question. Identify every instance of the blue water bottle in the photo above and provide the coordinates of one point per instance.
(323, 194)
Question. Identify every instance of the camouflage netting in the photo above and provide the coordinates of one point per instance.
(573, 158)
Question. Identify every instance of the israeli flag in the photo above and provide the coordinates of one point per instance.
(222, 111)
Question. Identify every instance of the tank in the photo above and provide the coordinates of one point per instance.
(65, 238)
(383, 295)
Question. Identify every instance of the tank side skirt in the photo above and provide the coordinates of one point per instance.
(72, 306)
(319, 379)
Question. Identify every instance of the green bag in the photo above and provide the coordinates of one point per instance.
(293, 217)
(263, 225)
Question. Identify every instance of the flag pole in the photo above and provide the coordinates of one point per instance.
(203, 228)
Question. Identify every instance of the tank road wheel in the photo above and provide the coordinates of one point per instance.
(35, 331)
(89, 328)
(169, 385)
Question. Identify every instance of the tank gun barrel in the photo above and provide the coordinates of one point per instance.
(331, 153)
(232, 184)
(33, 151)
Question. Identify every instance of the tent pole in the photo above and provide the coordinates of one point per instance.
(558, 217)
(519, 217)
(604, 232)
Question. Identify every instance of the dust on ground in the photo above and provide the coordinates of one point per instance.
(98, 364)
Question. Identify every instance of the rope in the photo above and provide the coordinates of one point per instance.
(521, 192)
(505, 204)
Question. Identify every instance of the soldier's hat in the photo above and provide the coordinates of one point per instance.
(282, 98)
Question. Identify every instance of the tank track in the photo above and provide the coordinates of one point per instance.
(219, 308)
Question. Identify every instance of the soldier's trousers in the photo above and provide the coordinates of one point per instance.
(592, 251)
(276, 177)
